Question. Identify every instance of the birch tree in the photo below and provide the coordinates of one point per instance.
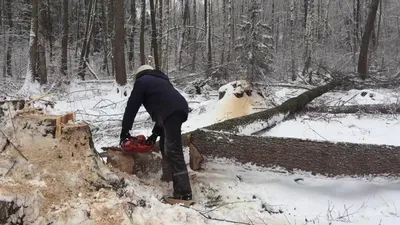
(31, 68)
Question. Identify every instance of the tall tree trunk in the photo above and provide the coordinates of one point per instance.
(309, 39)
(154, 35)
(143, 23)
(104, 37)
(96, 43)
(166, 23)
(225, 22)
(208, 35)
(363, 57)
(42, 67)
(131, 53)
(10, 39)
(31, 69)
(82, 63)
(120, 70)
(111, 17)
(64, 43)
(194, 56)
(231, 22)
(185, 18)
(160, 31)
(292, 40)
(49, 28)
(3, 27)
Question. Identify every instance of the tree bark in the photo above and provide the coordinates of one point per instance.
(49, 29)
(154, 35)
(3, 27)
(143, 23)
(326, 158)
(82, 63)
(31, 70)
(268, 118)
(208, 27)
(194, 33)
(369, 109)
(64, 42)
(42, 65)
(10, 39)
(111, 17)
(181, 44)
(120, 69)
(104, 37)
(131, 53)
(363, 57)
(292, 40)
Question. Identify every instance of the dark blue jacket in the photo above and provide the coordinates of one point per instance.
(153, 89)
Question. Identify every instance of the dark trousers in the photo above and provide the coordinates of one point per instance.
(174, 166)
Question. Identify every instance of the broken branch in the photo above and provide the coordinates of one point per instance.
(10, 169)
(14, 145)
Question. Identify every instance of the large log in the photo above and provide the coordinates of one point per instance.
(326, 158)
(369, 109)
(268, 118)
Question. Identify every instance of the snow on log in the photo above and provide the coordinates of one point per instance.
(266, 119)
(326, 158)
(369, 109)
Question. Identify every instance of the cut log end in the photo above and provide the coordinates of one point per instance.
(196, 159)
(125, 163)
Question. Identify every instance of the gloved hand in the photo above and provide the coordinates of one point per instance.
(152, 139)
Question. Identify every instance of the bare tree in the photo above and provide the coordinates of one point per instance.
(120, 70)
(131, 53)
(3, 27)
(308, 38)
(208, 34)
(142, 30)
(31, 69)
(64, 43)
(363, 57)
(181, 42)
(292, 40)
(42, 65)
(86, 41)
(154, 35)
(10, 38)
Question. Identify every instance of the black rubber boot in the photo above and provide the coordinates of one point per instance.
(186, 197)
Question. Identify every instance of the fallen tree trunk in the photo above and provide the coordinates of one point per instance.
(331, 159)
(369, 109)
(264, 120)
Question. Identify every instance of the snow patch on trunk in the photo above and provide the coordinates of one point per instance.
(260, 124)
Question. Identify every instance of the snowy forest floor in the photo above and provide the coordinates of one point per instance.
(249, 194)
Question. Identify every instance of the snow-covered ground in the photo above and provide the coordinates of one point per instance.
(250, 194)
(366, 129)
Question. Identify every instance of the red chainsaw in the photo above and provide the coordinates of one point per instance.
(135, 145)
